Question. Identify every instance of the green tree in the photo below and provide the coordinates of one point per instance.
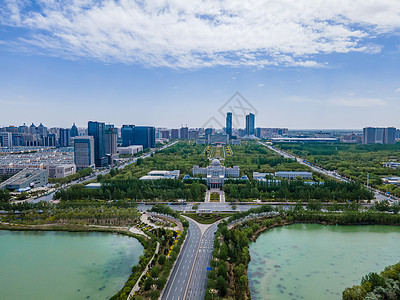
(221, 286)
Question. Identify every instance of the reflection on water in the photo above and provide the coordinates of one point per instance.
(310, 261)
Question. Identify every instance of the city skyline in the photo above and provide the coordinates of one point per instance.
(335, 67)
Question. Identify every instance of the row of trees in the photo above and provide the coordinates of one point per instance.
(135, 189)
(296, 190)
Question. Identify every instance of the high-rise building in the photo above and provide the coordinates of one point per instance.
(165, 134)
(74, 131)
(389, 135)
(111, 141)
(83, 152)
(193, 134)
(23, 129)
(18, 139)
(50, 140)
(373, 135)
(228, 128)
(42, 130)
(6, 139)
(184, 133)
(174, 133)
(250, 123)
(97, 131)
(128, 135)
(64, 139)
(208, 132)
(258, 132)
(145, 136)
(33, 129)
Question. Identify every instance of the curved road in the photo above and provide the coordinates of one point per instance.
(188, 279)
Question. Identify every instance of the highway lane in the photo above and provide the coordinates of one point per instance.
(198, 280)
(178, 282)
(214, 207)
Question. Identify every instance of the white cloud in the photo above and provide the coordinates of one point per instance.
(358, 102)
(397, 90)
(260, 85)
(187, 34)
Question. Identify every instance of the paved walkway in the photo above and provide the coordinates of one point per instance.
(136, 287)
(135, 230)
(211, 191)
(145, 219)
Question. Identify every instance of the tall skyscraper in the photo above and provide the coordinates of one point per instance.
(373, 135)
(97, 131)
(128, 135)
(74, 131)
(83, 152)
(64, 139)
(145, 136)
(250, 122)
(229, 124)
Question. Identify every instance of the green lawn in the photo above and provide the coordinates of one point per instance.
(207, 218)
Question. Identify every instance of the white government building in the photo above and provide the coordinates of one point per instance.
(216, 174)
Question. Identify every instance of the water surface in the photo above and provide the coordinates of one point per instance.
(311, 261)
(64, 265)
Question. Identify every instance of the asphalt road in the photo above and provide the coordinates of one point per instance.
(189, 279)
(198, 281)
(178, 282)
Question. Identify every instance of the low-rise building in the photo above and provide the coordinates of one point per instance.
(28, 178)
(392, 165)
(130, 150)
(156, 174)
(391, 180)
(61, 171)
(293, 175)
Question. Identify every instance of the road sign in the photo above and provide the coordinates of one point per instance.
(209, 268)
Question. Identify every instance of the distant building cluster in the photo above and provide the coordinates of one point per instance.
(45, 158)
(375, 135)
(100, 147)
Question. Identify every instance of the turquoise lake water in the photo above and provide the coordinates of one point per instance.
(311, 261)
(64, 265)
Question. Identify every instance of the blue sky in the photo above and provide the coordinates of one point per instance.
(332, 64)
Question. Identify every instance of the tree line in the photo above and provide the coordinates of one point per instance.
(135, 189)
(296, 190)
